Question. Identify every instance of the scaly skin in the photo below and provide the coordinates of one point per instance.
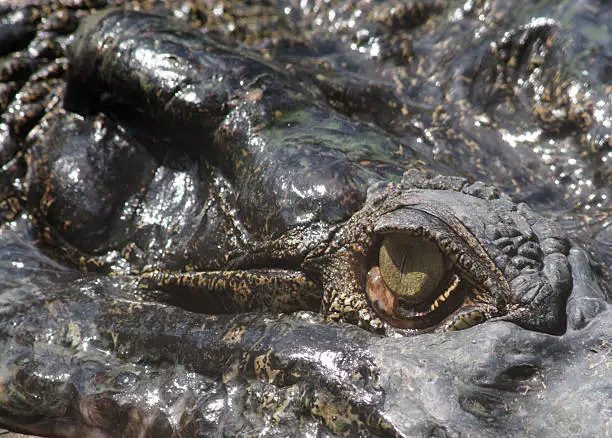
(211, 102)
(226, 178)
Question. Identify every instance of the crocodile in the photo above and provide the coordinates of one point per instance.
(207, 178)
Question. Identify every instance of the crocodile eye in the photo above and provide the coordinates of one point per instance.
(411, 267)
(414, 285)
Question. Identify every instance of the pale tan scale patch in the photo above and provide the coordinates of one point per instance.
(234, 335)
(337, 415)
(263, 369)
(254, 95)
(74, 334)
(133, 307)
(51, 308)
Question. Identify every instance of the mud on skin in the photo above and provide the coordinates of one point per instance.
(184, 171)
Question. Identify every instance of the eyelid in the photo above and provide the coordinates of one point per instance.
(454, 240)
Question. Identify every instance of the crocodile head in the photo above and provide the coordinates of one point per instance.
(429, 253)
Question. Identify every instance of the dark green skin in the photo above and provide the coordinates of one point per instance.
(222, 182)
